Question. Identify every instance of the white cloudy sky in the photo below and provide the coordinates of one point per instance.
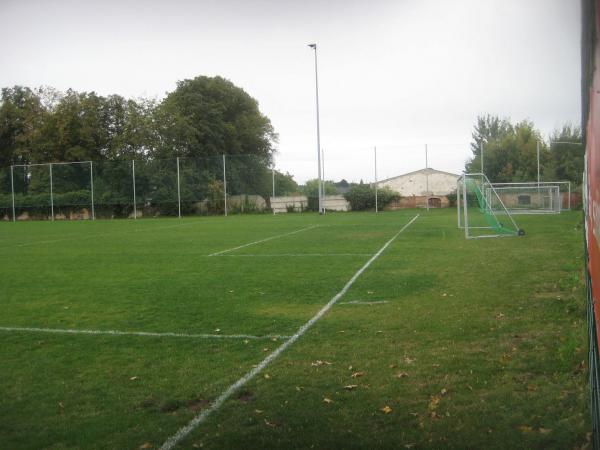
(395, 74)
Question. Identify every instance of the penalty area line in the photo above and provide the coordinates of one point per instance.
(140, 333)
(262, 240)
(187, 429)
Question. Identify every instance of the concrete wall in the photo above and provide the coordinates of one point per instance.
(300, 203)
(281, 204)
(336, 203)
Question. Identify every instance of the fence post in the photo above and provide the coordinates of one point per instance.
(12, 189)
(178, 191)
(273, 197)
(51, 193)
(376, 205)
(92, 188)
(225, 184)
(133, 179)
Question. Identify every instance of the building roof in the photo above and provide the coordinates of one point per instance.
(426, 171)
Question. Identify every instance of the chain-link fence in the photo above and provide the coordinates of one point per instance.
(218, 185)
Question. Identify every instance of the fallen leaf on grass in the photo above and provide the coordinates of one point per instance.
(299, 388)
(351, 387)
(217, 330)
(525, 428)
(544, 430)
(270, 424)
(409, 445)
(408, 360)
(146, 445)
(327, 400)
(61, 405)
(267, 376)
(401, 375)
(357, 374)
(246, 341)
(266, 349)
(258, 411)
(499, 316)
(133, 378)
(319, 363)
(386, 409)
(444, 391)
(393, 366)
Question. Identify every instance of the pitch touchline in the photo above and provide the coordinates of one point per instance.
(141, 333)
(89, 236)
(262, 240)
(184, 431)
(274, 255)
(358, 302)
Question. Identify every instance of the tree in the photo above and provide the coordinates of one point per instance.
(362, 197)
(510, 151)
(285, 184)
(567, 155)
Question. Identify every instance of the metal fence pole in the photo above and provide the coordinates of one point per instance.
(376, 204)
(225, 184)
(12, 189)
(133, 179)
(178, 191)
(465, 207)
(92, 188)
(51, 193)
(273, 180)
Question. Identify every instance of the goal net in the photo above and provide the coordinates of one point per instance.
(476, 215)
(525, 198)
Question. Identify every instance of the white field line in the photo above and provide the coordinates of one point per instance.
(89, 236)
(262, 240)
(293, 255)
(184, 431)
(358, 302)
(140, 333)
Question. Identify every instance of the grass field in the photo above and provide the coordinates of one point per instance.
(439, 342)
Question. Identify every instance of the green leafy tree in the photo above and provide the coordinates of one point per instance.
(362, 197)
(567, 155)
(285, 184)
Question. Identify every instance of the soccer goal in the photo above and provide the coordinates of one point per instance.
(531, 197)
(475, 196)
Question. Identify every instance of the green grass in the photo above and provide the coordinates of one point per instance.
(490, 334)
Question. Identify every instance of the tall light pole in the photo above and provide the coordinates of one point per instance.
(314, 47)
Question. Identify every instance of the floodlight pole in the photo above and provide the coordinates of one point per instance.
(538, 162)
(92, 188)
(134, 199)
(178, 191)
(481, 155)
(273, 182)
(376, 203)
(12, 189)
(426, 179)
(314, 47)
(224, 185)
(51, 194)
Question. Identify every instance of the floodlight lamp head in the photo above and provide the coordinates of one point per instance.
(313, 46)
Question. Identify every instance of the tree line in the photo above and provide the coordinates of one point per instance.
(510, 151)
(203, 118)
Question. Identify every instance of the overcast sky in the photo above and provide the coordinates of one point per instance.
(395, 74)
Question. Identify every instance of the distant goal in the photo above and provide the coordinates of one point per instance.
(529, 198)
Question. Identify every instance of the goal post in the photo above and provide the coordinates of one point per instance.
(476, 213)
(545, 197)
(526, 199)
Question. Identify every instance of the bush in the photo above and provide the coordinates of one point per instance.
(362, 197)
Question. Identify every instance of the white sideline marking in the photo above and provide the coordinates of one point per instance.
(141, 333)
(274, 255)
(184, 431)
(262, 240)
(358, 302)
